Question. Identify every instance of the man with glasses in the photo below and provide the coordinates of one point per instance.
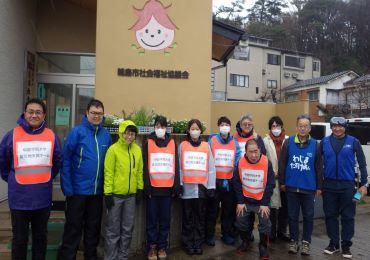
(82, 182)
(300, 176)
(339, 186)
(30, 158)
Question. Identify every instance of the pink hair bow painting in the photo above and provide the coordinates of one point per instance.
(154, 29)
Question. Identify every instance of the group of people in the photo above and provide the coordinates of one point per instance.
(236, 176)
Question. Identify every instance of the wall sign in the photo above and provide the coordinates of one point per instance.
(154, 30)
(62, 114)
(155, 73)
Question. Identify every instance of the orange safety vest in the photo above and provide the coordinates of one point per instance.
(194, 163)
(161, 164)
(253, 177)
(224, 157)
(33, 156)
(242, 141)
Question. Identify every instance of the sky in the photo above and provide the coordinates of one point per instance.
(248, 4)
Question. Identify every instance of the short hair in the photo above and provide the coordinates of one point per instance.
(252, 141)
(131, 128)
(277, 120)
(162, 120)
(246, 117)
(95, 103)
(36, 101)
(223, 119)
(197, 122)
(304, 116)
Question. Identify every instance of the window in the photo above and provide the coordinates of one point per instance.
(313, 95)
(273, 59)
(316, 66)
(213, 76)
(257, 90)
(66, 63)
(292, 97)
(271, 83)
(294, 62)
(239, 80)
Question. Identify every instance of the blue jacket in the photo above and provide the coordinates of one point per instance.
(300, 171)
(83, 159)
(27, 197)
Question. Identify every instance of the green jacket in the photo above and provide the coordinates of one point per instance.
(123, 166)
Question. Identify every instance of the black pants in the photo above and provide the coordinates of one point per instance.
(83, 213)
(282, 214)
(228, 206)
(193, 222)
(20, 224)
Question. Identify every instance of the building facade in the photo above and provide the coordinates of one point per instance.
(258, 72)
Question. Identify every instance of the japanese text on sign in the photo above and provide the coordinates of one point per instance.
(253, 178)
(195, 161)
(161, 162)
(155, 73)
(300, 163)
(33, 153)
(224, 157)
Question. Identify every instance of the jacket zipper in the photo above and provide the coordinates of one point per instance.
(97, 169)
(81, 150)
(129, 177)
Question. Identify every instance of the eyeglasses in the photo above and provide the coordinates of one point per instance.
(247, 124)
(97, 114)
(338, 120)
(303, 126)
(35, 112)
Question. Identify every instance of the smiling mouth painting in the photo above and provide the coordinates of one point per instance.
(154, 29)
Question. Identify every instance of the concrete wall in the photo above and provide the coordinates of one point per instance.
(289, 112)
(175, 98)
(17, 24)
(65, 27)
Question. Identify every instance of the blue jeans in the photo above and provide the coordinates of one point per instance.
(158, 219)
(339, 204)
(296, 202)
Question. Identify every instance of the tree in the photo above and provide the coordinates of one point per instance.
(232, 14)
(266, 11)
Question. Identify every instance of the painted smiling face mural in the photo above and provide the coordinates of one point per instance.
(154, 29)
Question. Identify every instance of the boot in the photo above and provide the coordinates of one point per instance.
(245, 242)
(262, 246)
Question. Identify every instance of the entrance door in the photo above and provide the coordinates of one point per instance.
(66, 97)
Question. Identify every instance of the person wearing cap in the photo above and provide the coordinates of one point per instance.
(226, 154)
(300, 175)
(339, 151)
(161, 183)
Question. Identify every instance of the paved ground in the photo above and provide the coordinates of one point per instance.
(278, 250)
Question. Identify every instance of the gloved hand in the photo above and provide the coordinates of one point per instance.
(211, 193)
(177, 191)
(109, 201)
(139, 196)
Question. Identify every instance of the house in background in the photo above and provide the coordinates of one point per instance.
(322, 92)
(258, 72)
(356, 96)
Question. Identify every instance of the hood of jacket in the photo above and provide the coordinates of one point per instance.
(24, 124)
(122, 128)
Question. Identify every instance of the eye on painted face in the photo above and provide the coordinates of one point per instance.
(155, 36)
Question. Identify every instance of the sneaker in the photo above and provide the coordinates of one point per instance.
(152, 254)
(198, 251)
(243, 247)
(162, 254)
(228, 240)
(331, 249)
(211, 241)
(346, 253)
(293, 247)
(305, 248)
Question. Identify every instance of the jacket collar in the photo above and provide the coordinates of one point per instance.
(27, 128)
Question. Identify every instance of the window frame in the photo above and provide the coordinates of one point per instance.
(301, 65)
(272, 81)
(235, 80)
(273, 62)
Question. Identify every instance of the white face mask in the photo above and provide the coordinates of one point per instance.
(195, 134)
(276, 132)
(224, 130)
(160, 132)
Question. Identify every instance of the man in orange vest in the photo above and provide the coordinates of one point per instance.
(30, 158)
(253, 184)
(226, 154)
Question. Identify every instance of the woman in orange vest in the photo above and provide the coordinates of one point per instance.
(161, 183)
(198, 181)
(253, 184)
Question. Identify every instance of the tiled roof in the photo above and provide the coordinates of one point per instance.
(316, 81)
(362, 79)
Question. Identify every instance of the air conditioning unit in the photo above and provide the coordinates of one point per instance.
(263, 71)
(286, 74)
(294, 75)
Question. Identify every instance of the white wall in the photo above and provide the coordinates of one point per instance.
(17, 26)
